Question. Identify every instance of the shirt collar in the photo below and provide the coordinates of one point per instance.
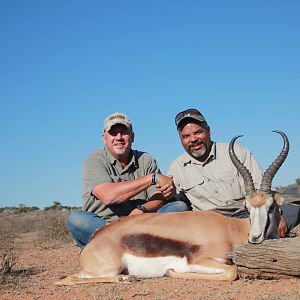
(134, 159)
(187, 159)
(113, 160)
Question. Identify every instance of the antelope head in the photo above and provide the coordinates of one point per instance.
(262, 204)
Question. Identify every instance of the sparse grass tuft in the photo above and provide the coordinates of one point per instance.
(8, 260)
(8, 256)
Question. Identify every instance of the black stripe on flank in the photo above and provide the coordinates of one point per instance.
(147, 245)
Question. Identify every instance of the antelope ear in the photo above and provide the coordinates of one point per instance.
(278, 198)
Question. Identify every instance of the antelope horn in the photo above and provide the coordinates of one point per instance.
(267, 177)
(246, 175)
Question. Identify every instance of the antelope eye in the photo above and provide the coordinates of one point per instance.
(271, 208)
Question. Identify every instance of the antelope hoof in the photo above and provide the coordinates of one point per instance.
(128, 278)
(169, 273)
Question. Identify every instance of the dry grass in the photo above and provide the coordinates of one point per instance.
(47, 230)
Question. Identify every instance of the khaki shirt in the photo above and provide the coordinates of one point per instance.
(100, 167)
(214, 184)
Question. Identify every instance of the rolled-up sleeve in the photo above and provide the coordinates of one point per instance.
(94, 172)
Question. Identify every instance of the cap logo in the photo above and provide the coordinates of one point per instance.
(116, 117)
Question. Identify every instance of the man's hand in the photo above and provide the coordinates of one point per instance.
(166, 186)
(282, 227)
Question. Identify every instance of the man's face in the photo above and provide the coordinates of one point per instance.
(195, 140)
(118, 141)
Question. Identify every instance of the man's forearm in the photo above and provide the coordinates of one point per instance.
(119, 192)
(153, 205)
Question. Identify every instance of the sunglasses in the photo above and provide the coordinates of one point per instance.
(186, 113)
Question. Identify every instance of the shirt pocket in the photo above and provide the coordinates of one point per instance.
(191, 182)
(227, 185)
(226, 178)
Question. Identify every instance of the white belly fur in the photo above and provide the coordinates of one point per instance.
(158, 266)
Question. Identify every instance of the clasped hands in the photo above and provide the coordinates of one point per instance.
(166, 186)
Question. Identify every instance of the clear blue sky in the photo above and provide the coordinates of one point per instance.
(66, 65)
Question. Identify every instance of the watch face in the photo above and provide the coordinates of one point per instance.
(141, 207)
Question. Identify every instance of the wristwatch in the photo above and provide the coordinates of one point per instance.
(154, 179)
(142, 208)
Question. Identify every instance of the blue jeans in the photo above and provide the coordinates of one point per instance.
(83, 224)
(291, 214)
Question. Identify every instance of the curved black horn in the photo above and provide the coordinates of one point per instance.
(267, 177)
(246, 175)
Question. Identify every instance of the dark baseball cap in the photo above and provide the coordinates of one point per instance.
(191, 113)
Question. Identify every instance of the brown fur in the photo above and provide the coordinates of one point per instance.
(258, 199)
(147, 245)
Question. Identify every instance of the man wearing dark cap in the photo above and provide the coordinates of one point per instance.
(205, 175)
(119, 181)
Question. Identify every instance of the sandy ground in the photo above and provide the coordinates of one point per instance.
(39, 265)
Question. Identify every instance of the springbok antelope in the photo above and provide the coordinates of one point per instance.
(190, 245)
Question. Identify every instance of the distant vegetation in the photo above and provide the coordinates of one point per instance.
(22, 208)
(292, 189)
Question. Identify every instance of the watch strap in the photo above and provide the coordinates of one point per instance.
(142, 208)
(154, 179)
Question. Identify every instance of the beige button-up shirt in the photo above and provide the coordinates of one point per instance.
(214, 184)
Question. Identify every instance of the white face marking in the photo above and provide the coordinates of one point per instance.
(258, 219)
(158, 266)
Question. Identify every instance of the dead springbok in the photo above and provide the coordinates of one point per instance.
(191, 245)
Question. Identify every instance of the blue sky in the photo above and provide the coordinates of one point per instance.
(66, 65)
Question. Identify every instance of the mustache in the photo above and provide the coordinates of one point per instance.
(196, 143)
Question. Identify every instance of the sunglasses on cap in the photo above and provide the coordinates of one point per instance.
(193, 113)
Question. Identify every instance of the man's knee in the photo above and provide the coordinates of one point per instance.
(75, 219)
(175, 206)
(82, 225)
(180, 206)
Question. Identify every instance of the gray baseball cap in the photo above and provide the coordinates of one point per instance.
(116, 118)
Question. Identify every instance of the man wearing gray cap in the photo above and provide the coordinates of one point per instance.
(119, 181)
(205, 175)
